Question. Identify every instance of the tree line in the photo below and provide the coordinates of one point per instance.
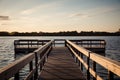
(62, 33)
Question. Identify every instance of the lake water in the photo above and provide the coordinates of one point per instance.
(7, 46)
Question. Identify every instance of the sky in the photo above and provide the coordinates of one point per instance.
(59, 15)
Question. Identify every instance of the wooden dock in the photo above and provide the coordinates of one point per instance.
(61, 66)
(52, 62)
(29, 45)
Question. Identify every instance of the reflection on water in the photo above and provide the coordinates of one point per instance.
(7, 48)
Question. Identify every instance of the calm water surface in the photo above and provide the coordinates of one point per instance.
(7, 46)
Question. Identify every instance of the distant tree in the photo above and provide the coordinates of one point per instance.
(34, 34)
(4, 33)
(119, 30)
(14, 33)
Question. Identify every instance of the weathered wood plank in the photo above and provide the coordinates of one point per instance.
(61, 66)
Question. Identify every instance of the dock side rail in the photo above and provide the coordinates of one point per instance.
(112, 66)
(59, 42)
(35, 60)
(90, 43)
(29, 43)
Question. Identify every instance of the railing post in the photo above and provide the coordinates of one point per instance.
(17, 76)
(75, 59)
(42, 43)
(37, 43)
(78, 60)
(88, 63)
(54, 43)
(36, 66)
(110, 75)
(81, 65)
(31, 44)
(31, 68)
(94, 68)
(65, 43)
(28, 44)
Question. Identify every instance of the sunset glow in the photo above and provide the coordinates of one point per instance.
(59, 15)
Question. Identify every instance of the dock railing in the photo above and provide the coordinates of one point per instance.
(59, 42)
(90, 43)
(35, 60)
(112, 66)
(28, 43)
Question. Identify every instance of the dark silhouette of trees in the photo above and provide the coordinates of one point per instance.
(3, 33)
(61, 33)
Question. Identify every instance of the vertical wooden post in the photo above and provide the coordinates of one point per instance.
(100, 44)
(75, 59)
(41, 63)
(77, 42)
(17, 76)
(88, 63)
(91, 44)
(42, 43)
(14, 45)
(110, 75)
(31, 68)
(79, 60)
(28, 44)
(37, 43)
(36, 63)
(65, 43)
(82, 43)
(54, 43)
(94, 68)
(81, 65)
(50, 47)
(31, 43)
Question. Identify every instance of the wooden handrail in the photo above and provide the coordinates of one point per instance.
(30, 42)
(111, 65)
(11, 69)
(90, 43)
(59, 42)
(14, 68)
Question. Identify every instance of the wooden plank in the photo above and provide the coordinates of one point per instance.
(61, 66)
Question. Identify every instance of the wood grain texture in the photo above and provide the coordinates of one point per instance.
(61, 66)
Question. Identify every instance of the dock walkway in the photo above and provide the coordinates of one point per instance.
(55, 60)
(61, 66)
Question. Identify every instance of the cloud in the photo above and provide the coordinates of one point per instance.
(4, 17)
(30, 11)
(79, 15)
(38, 8)
(94, 12)
(103, 10)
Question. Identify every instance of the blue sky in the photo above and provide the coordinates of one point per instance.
(59, 15)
